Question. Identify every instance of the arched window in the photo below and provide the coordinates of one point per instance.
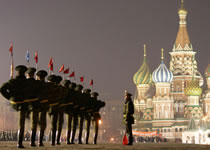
(178, 88)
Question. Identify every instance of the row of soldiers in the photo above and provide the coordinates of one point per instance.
(56, 97)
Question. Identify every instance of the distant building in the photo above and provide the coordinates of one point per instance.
(112, 126)
(167, 99)
(8, 117)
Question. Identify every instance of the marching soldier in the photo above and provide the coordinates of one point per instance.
(53, 108)
(69, 110)
(84, 97)
(14, 90)
(60, 113)
(87, 113)
(76, 111)
(32, 98)
(96, 115)
(44, 105)
(59, 95)
(128, 118)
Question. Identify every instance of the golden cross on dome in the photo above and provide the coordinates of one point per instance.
(182, 4)
(162, 55)
(145, 50)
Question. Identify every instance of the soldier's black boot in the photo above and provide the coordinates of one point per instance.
(20, 140)
(95, 138)
(41, 135)
(58, 138)
(130, 141)
(80, 138)
(68, 137)
(87, 137)
(73, 136)
(33, 137)
(53, 138)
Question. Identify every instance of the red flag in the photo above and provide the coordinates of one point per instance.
(81, 79)
(91, 82)
(61, 68)
(11, 48)
(66, 71)
(36, 57)
(125, 139)
(72, 74)
(50, 65)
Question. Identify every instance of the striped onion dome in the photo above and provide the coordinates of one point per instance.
(193, 89)
(162, 73)
(207, 72)
(143, 76)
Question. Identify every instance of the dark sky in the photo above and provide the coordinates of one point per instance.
(100, 39)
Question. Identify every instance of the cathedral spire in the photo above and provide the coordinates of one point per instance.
(162, 54)
(182, 39)
(145, 51)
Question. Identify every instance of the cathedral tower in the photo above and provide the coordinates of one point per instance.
(142, 80)
(192, 107)
(206, 98)
(182, 63)
(162, 101)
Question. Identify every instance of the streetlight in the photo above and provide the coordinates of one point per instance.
(100, 122)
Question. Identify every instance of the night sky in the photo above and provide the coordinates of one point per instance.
(99, 39)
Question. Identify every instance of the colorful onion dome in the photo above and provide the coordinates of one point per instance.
(162, 74)
(193, 89)
(182, 10)
(207, 72)
(142, 76)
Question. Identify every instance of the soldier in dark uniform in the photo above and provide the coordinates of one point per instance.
(53, 108)
(60, 113)
(96, 115)
(83, 98)
(69, 108)
(76, 111)
(59, 94)
(14, 90)
(88, 112)
(32, 99)
(44, 105)
(128, 118)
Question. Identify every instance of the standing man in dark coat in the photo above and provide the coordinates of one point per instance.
(14, 90)
(128, 118)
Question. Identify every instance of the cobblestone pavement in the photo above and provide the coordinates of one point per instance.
(106, 146)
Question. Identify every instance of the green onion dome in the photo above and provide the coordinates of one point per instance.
(193, 89)
(207, 72)
(143, 76)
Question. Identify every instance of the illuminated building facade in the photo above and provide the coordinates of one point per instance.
(167, 98)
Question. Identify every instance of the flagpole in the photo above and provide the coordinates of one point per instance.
(36, 66)
(28, 64)
(12, 67)
(36, 70)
